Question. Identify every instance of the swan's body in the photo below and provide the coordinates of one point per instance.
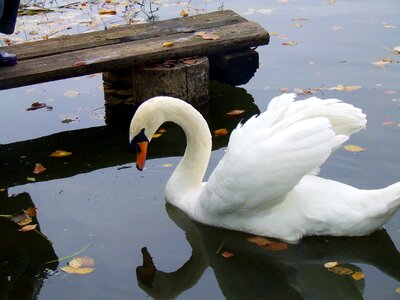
(266, 182)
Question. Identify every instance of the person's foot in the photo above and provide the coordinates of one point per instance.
(7, 59)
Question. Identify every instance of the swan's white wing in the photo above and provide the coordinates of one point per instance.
(269, 154)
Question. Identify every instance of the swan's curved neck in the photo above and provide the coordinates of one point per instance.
(189, 174)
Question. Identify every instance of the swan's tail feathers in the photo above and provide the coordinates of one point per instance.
(392, 194)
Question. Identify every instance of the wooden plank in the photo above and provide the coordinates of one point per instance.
(123, 34)
(131, 53)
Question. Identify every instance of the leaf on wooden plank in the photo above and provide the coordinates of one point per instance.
(107, 12)
(259, 241)
(28, 228)
(227, 254)
(60, 153)
(220, 132)
(358, 275)
(31, 212)
(290, 43)
(79, 63)
(235, 112)
(340, 270)
(207, 36)
(39, 168)
(276, 246)
(354, 148)
(71, 93)
(331, 264)
(81, 271)
(167, 44)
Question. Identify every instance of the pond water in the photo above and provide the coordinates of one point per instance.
(96, 201)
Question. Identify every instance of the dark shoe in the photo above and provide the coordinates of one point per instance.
(7, 59)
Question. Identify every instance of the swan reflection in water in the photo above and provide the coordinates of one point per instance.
(255, 273)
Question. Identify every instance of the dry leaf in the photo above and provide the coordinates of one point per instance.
(235, 112)
(31, 212)
(358, 275)
(344, 88)
(82, 262)
(162, 130)
(207, 36)
(107, 12)
(36, 105)
(396, 50)
(189, 61)
(331, 264)
(167, 44)
(79, 63)
(289, 43)
(388, 123)
(184, 13)
(398, 290)
(38, 168)
(21, 220)
(258, 240)
(28, 228)
(33, 179)
(276, 246)
(220, 132)
(227, 254)
(60, 153)
(82, 271)
(354, 148)
(156, 135)
(340, 270)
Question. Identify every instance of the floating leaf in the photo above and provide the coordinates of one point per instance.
(184, 13)
(207, 36)
(398, 290)
(156, 135)
(340, 270)
(235, 112)
(331, 264)
(38, 168)
(82, 262)
(107, 12)
(68, 120)
(227, 254)
(276, 246)
(31, 212)
(354, 148)
(385, 61)
(21, 220)
(345, 88)
(71, 93)
(28, 228)
(168, 44)
(81, 271)
(60, 153)
(289, 43)
(396, 50)
(36, 105)
(167, 165)
(258, 240)
(33, 179)
(358, 275)
(220, 132)
(161, 130)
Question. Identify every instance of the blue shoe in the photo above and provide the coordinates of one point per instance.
(7, 59)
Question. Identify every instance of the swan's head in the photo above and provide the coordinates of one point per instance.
(147, 119)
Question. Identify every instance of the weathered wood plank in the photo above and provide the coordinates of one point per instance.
(131, 53)
(123, 34)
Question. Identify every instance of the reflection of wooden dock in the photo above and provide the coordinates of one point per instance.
(129, 46)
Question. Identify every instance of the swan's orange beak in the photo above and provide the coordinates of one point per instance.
(141, 155)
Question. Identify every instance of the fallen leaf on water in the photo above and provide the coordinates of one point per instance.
(60, 153)
(2, 189)
(31, 212)
(340, 270)
(345, 88)
(36, 105)
(331, 264)
(235, 112)
(167, 44)
(82, 262)
(71, 270)
(33, 179)
(388, 123)
(289, 43)
(156, 135)
(21, 220)
(396, 50)
(184, 13)
(68, 120)
(220, 132)
(259, 241)
(384, 62)
(71, 93)
(28, 228)
(162, 130)
(276, 246)
(207, 36)
(354, 148)
(227, 254)
(358, 275)
(167, 165)
(107, 12)
(38, 168)
(398, 290)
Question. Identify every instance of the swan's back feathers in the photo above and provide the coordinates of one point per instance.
(269, 154)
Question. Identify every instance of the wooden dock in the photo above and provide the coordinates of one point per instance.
(129, 46)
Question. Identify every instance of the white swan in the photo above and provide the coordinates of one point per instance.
(266, 183)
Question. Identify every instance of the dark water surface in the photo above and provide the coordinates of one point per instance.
(96, 198)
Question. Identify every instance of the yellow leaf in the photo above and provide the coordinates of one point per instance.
(344, 88)
(38, 169)
(258, 240)
(2, 189)
(358, 275)
(107, 12)
(82, 262)
(60, 153)
(25, 221)
(331, 264)
(33, 179)
(28, 228)
(340, 270)
(167, 165)
(162, 130)
(82, 271)
(354, 148)
(398, 290)
(227, 254)
(184, 13)
(156, 135)
(289, 43)
(235, 112)
(168, 44)
(220, 132)
(31, 212)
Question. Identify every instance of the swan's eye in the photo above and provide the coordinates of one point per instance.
(140, 137)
